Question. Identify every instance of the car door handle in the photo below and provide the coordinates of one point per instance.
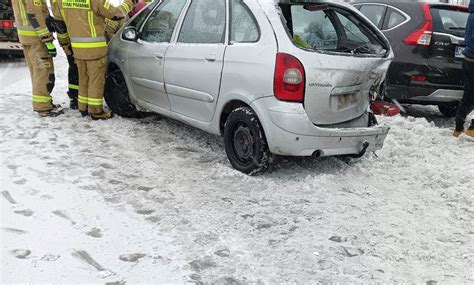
(210, 57)
(159, 56)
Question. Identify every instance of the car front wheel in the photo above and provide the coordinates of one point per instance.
(116, 96)
(245, 142)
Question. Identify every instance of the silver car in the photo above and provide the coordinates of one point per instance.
(274, 77)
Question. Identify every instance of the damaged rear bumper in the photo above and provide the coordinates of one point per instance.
(289, 131)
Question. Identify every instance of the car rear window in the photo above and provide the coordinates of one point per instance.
(450, 21)
(323, 27)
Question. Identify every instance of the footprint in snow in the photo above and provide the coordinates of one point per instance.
(84, 256)
(26, 212)
(14, 231)
(8, 197)
(131, 257)
(61, 214)
(21, 253)
(20, 182)
(50, 257)
(145, 212)
(95, 232)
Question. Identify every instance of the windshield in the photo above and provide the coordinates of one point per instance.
(325, 28)
(449, 21)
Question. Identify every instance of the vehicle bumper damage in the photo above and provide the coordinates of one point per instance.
(288, 122)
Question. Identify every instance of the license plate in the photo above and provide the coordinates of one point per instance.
(459, 53)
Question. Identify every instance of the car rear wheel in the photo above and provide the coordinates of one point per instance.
(116, 96)
(245, 142)
(449, 109)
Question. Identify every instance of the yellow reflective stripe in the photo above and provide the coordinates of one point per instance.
(95, 99)
(41, 99)
(96, 102)
(27, 33)
(89, 45)
(107, 4)
(63, 36)
(24, 18)
(125, 6)
(73, 86)
(82, 99)
(43, 32)
(90, 16)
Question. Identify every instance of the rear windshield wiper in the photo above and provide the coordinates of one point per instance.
(457, 28)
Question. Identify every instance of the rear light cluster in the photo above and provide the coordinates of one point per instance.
(289, 79)
(4, 24)
(422, 35)
(419, 78)
(385, 109)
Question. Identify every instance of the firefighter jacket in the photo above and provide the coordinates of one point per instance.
(85, 22)
(30, 20)
(60, 28)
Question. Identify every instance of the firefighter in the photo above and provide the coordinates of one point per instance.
(85, 22)
(112, 27)
(39, 50)
(58, 26)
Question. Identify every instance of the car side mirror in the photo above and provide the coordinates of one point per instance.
(130, 34)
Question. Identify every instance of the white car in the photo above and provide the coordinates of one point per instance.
(288, 77)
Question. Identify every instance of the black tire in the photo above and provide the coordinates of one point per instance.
(116, 96)
(245, 142)
(449, 109)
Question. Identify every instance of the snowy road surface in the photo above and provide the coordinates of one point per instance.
(155, 201)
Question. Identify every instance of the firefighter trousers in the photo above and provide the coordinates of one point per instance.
(41, 67)
(73, 78)
(91, 85)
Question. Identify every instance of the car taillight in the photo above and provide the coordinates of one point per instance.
(6, 24)
(385, 109)
(289, 79)
(422, 35)
(418, 78)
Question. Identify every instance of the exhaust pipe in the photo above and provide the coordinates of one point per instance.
(316, 154)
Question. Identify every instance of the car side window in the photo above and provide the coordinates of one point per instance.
(160, 25)
(394, 19)
(313, 29)
(244, 27)
(140, 18)
(374, 13)
(352, 30)
(204, 23)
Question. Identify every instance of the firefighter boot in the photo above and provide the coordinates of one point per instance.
(457, 133)
(55, 111)
(102, 116)
(73, 103)
(470, 131)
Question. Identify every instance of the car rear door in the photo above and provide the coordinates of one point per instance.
(447, 44)
(193, 65)
(344, 57)
(146, 56)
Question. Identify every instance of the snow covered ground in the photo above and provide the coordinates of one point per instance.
(153, 200)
